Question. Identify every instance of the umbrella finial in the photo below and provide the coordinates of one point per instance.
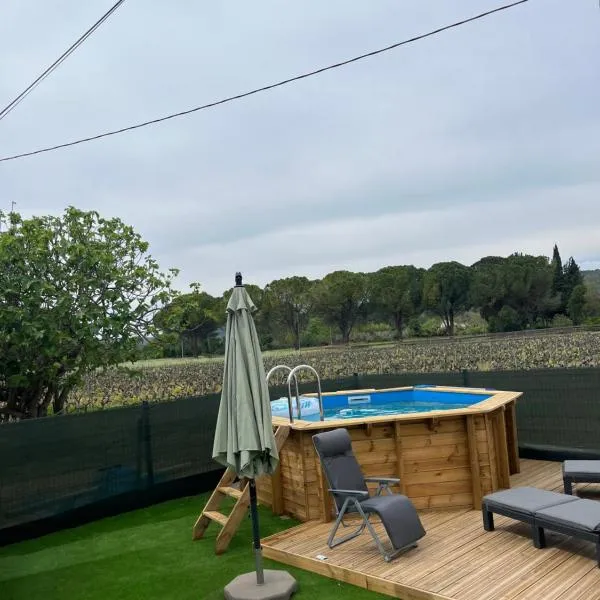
(238, 279)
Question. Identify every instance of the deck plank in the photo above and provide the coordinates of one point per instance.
(457, 559)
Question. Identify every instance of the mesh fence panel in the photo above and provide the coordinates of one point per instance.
(559, 408)
(57, 464)
(53, 465)
(181, 437)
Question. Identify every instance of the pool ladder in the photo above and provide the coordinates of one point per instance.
(292, 375)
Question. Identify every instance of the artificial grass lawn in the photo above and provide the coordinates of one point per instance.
(147, 554)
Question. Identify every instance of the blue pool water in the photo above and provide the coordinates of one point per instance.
(382, 402)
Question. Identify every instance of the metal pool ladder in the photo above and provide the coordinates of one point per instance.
(292, 375)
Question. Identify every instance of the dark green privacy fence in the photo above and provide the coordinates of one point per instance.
(59, 465)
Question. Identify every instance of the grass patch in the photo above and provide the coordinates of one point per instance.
(146, 554)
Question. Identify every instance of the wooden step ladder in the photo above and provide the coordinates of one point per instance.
(227, 487)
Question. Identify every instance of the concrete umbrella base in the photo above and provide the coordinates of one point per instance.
(278, 585)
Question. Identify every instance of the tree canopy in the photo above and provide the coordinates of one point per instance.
(446, 291)
(341, 298)
(77, 292)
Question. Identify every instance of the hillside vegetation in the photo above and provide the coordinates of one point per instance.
(165, 380)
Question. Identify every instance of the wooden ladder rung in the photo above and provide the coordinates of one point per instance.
(231, 491)
(213, 515)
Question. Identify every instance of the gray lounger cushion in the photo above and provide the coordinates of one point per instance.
(524, 501)
(583, 514)
(399, 517)
(584, 469)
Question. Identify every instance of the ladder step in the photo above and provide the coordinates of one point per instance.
(213, 515)
(231, 491)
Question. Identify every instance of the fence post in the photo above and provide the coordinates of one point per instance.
(147, 437)
(466, 378)
(356, 383)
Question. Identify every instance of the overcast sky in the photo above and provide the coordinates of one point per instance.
(482, 140)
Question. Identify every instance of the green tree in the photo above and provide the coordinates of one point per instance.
(446, 291)
(572, 277)
(341, 299)
(576, 304)
(519, 282)
(291, 301)
(487, 290)
(557, 272)
(189, 320)
(77, 292)
(592, 302)
(396, 294)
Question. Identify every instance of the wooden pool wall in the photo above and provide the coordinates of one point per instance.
(447, 458)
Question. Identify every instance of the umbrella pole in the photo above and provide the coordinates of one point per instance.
(260, 577)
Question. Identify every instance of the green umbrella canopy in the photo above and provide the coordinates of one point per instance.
(244, 437)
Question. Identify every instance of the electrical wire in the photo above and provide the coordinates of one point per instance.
(263, 88)
(13, 104)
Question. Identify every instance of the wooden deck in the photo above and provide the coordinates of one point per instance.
(457, 559)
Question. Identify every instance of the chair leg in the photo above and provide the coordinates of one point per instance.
(539, 536)
(332, 542)
(488, 519)
(598, 553)
(568, 485)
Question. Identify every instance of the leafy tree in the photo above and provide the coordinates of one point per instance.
(291, 301)
(77, 292)
(557, 272)
(193, 317)
(522, 283)
(341, 299)
(446, 291)
(572, 277)
(507, 319)
(487, 289)
(592, 302)
(396, 294)
(576, 304)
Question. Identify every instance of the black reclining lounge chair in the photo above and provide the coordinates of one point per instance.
(351, 495)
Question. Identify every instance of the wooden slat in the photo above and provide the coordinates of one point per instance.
(230, 491)
(491, 451)
(213, 515)
(512, 437)
(474, 462)
(501, 449)
(398, 433)
(281, 436)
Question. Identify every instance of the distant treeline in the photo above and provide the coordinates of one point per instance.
(496, 294)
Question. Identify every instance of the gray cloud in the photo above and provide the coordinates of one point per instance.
(413, 156)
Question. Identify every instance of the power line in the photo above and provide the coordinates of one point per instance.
(264, 88)
(12, 105)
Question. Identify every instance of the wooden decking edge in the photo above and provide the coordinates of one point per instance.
(339, 573)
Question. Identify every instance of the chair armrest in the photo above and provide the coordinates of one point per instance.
(391, 480)
(354, 493)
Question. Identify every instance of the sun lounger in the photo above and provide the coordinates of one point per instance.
(349, 489)
(543, 510)
(580, 471)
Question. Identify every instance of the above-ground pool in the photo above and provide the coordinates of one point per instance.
(448, 446)
(376, 403)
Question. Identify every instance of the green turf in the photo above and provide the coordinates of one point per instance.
(147, 554)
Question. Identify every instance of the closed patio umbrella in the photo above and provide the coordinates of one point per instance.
(244, 439)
